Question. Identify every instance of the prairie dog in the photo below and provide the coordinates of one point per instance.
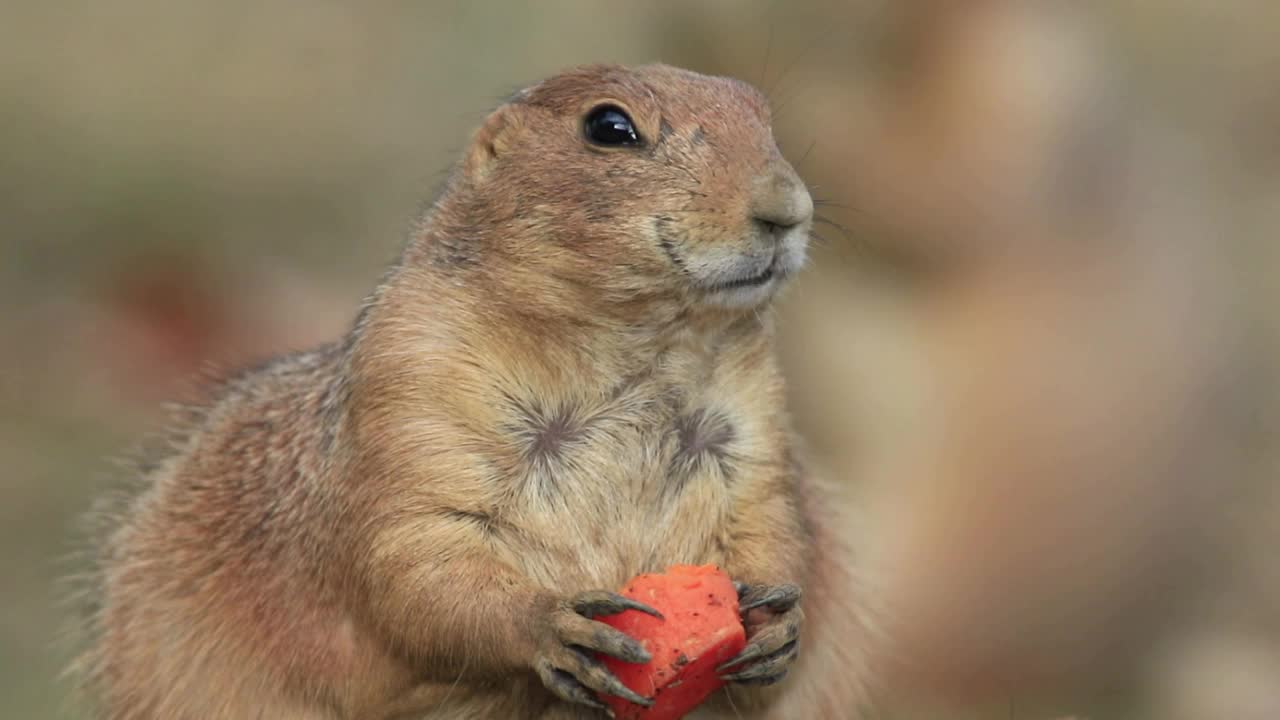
(568, 379)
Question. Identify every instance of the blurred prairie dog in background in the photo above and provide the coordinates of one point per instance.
(1048, 499)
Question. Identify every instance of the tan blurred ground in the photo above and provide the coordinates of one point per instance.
(1038, 341)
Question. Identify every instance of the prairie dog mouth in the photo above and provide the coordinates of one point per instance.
(750, 281)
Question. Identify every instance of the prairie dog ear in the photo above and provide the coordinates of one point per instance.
(497, 136)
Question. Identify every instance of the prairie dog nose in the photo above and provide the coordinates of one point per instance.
(779, 200)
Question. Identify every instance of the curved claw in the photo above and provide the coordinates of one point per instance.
(606, 603)
(775, 640)
(593, 674)
(760, 681)
(774, 636)
(566, 687)
(576, 676)
(749, 653)
(613, 686)
(778, 598)
(576, 631)
(566, 661)
(769, 670)
(628, 694)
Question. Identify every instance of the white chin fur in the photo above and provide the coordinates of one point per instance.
(748, 296)
(744, 297)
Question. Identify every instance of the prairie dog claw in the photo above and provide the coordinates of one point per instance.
(565, 658)
(773, 619)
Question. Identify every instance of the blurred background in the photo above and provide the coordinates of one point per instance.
(1037, 342)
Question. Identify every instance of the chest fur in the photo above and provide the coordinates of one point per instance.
(632, 480)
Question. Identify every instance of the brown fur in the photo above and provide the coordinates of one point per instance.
(538, 401)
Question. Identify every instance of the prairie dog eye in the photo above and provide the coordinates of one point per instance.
(610, 125)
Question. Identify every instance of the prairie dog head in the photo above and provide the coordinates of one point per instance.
(644, 182)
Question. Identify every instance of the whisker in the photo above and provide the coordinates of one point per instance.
(819, 201)
(786, 102)
(805, 156)
(832, 223)
(791, 65)
(845, 254)
(732, 706)
(768, 48)
(822, 202)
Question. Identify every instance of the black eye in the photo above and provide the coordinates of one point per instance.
(609, 125)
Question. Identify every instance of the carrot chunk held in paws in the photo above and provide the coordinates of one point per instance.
(699, 630)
